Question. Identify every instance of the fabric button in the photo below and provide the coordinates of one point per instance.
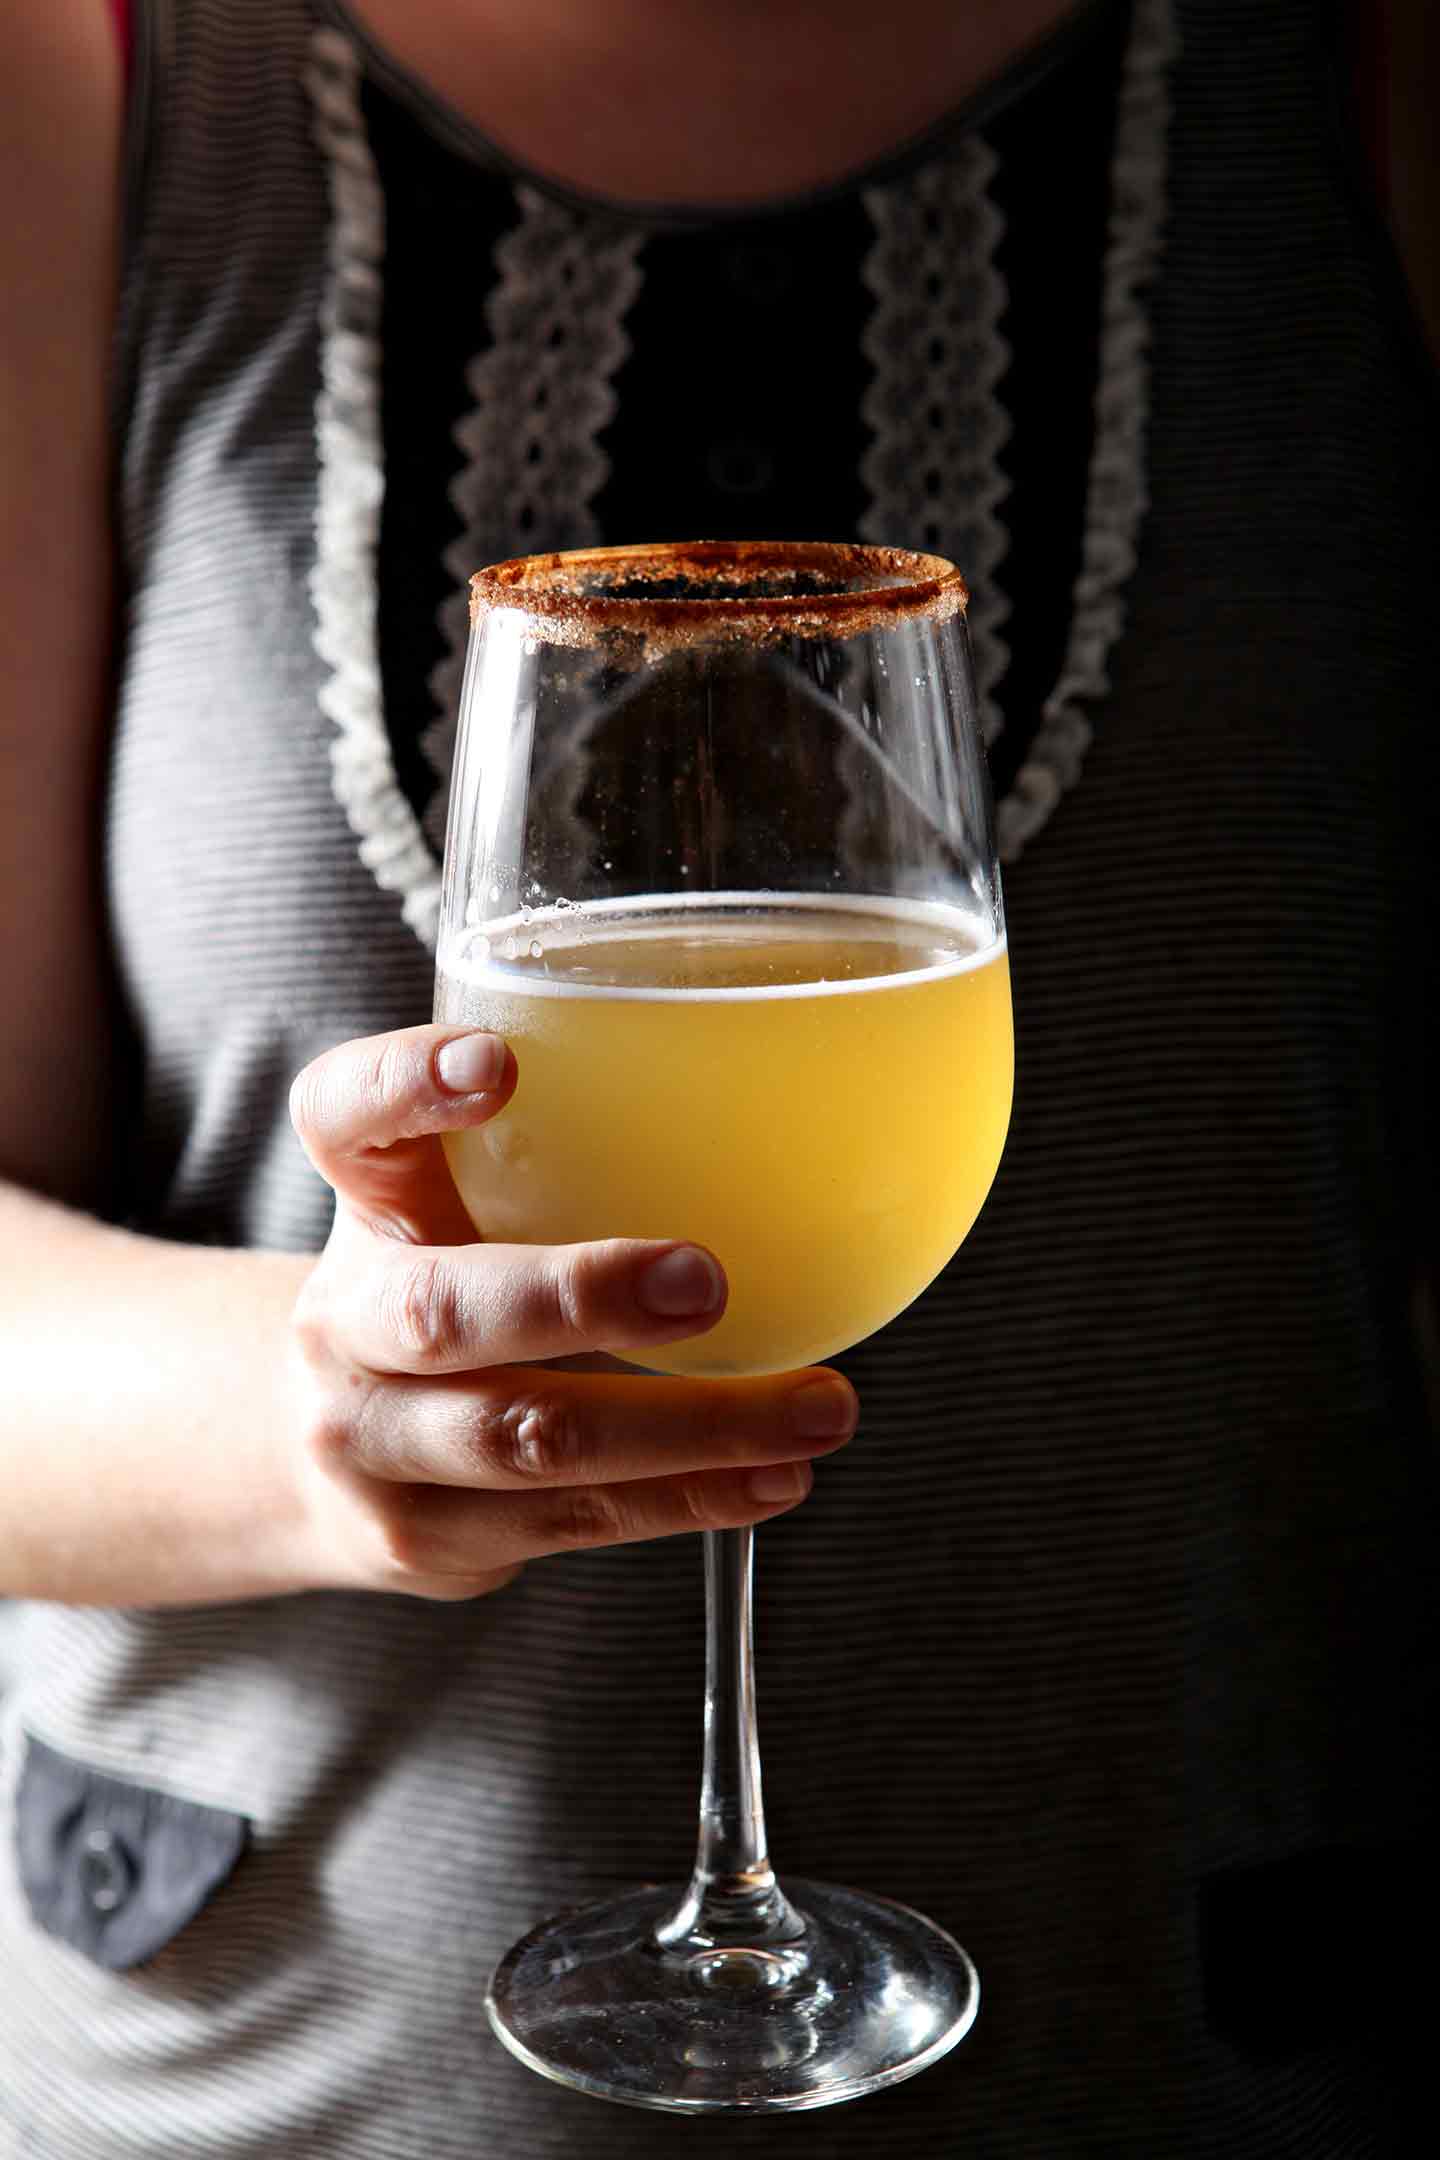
(759, 272)
(107, 1871)
(740, 468)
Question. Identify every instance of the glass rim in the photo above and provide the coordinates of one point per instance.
(570, 597)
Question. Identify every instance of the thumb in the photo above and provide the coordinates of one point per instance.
(369, 1114)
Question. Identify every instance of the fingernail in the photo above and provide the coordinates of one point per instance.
(469, 1064)
(823, 1410)
(682, 1285)
(780, 1481)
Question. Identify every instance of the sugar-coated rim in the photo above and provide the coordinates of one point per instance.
(564, 600)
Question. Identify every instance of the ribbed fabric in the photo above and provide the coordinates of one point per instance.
(1129, 1583)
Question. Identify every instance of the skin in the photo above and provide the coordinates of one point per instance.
(705, 101)
(186, 1426)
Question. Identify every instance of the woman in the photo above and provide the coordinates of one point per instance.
(1113, 1635)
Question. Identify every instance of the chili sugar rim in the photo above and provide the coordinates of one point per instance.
(670, 596)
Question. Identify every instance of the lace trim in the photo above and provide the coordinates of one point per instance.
(350, 491)
(1117, 495)
(934, 344)
(542, 391)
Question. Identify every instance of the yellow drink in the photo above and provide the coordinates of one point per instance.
(818, 1091)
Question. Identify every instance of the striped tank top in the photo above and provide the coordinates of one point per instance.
(1113, 1641)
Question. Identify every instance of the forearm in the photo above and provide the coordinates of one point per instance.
(145, 1433)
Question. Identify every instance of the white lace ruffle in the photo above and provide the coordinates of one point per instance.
(933, 341)
(542, 392)
(350, 491)
(1117, 495)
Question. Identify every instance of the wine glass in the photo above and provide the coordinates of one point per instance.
(720, 865)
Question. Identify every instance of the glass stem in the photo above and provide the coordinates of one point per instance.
(733, 1899)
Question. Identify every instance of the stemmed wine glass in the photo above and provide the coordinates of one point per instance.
(719, 841)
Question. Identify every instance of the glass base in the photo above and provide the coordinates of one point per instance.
(869, 1994)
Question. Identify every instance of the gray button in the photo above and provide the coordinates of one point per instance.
(107, 1872)
(740, 468)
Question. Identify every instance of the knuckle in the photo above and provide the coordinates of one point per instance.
(536, 1440)
(422, 1309)
(307, 1091)
(582, 1287)
(404, 1542)
(583, 1516)
(336, 1094)
(696, 1503)
(385, 1073)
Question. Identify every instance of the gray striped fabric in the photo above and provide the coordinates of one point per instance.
(1129, 1583)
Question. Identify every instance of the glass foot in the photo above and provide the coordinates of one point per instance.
(869, 1994)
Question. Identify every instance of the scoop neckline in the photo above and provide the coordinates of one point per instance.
(1010, 85)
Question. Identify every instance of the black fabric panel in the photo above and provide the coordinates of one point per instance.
(739, 403)
(1053, 191)
(443, 221)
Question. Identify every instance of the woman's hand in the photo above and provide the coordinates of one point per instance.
(435, 1455)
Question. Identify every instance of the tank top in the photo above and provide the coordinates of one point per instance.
(1112, 1641)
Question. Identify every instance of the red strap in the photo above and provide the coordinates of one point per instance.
(125, 31)
(1369, 58)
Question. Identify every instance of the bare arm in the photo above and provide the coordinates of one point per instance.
(143, 1452)
(118, 1477)
(59, 149)
(178, 1425)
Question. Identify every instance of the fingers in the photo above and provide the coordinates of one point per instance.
(435, 1456)
(370, 1113)
(445, 1309)
(442, 1489)
(431, 1536)
(519, 1429)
